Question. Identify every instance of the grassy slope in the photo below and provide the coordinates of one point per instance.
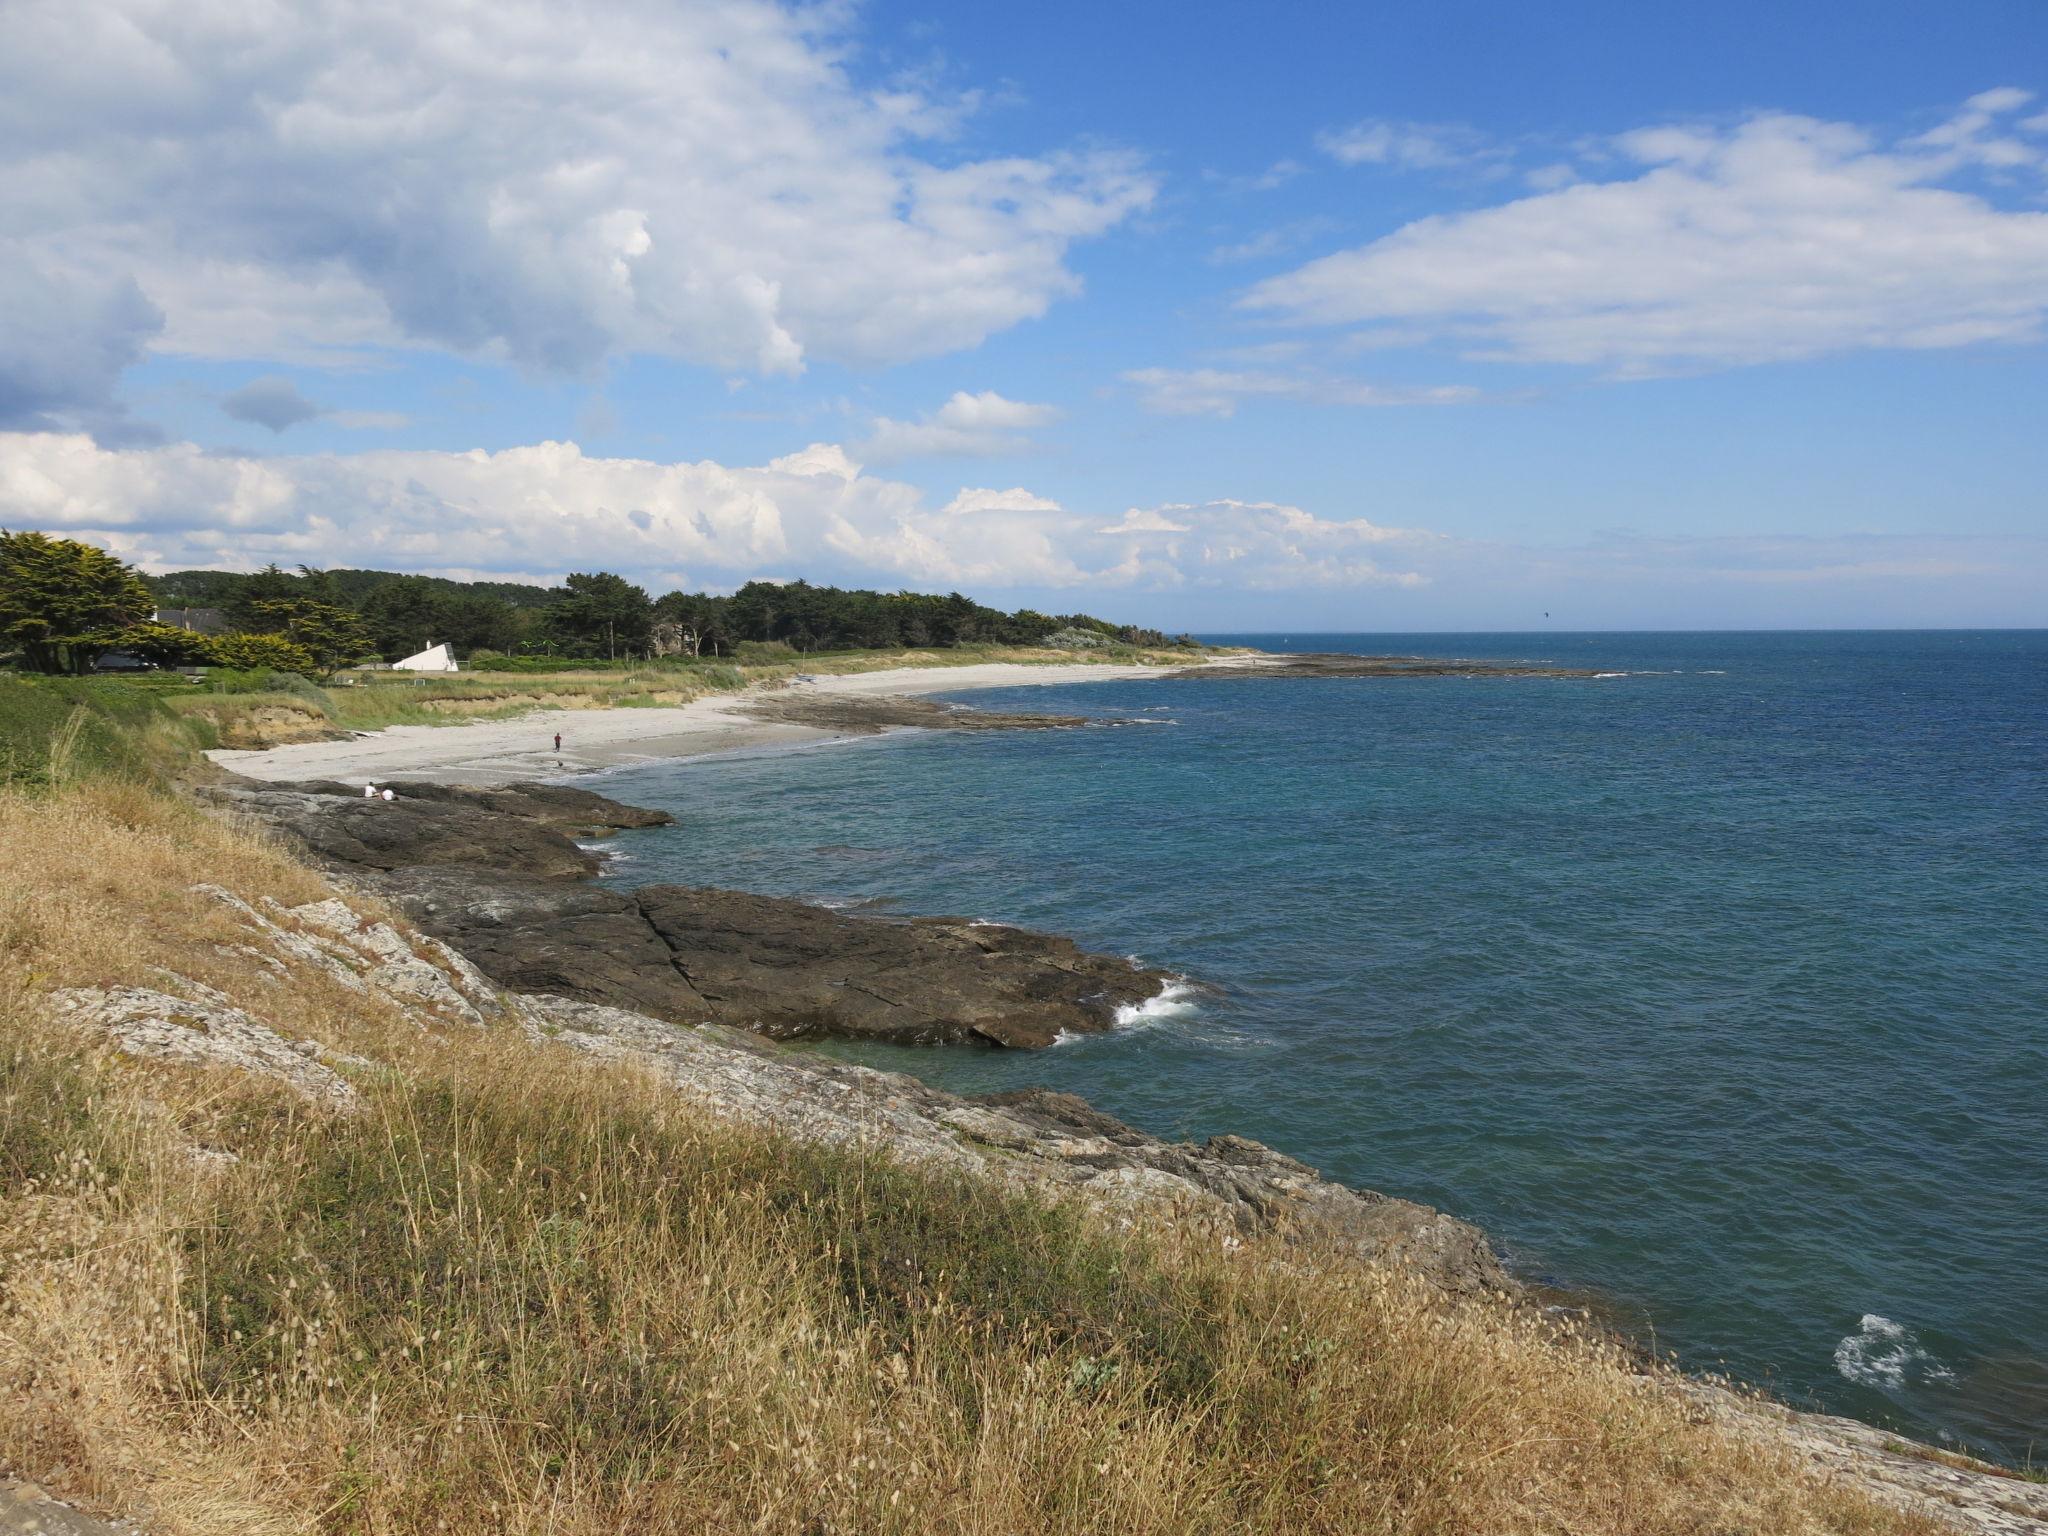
(303, 712)
(512, 1295)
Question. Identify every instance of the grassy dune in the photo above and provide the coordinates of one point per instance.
(516, 1293)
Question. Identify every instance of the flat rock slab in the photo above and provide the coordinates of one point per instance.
(782, 968)
(527, 829)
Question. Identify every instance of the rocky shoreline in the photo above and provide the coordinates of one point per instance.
(659, 977)
(498, 874)
(783, 962)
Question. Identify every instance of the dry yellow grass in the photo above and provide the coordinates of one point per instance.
(511, 1295)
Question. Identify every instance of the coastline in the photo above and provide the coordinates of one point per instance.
(489, 753)
(1046, 1140)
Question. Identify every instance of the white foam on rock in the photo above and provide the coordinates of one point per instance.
(1176, 997)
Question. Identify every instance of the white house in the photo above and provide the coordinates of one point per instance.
(435, 658)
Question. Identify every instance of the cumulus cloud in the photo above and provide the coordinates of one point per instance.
(1218, 391)
(537, 511)
(1776, 239)
(709, 182)
(980, 425)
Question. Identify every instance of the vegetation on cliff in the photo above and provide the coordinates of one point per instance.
(506, 1289)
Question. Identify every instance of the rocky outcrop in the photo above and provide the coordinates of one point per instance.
(494, 873)
(201, 1030)
(1968, 1494)
(866, 714)
(1048, 1141)
(782, 968)
(1337, 664)
(422, 826)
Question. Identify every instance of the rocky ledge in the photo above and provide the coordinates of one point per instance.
(860, 714)
(497, 874)
(1337, 664)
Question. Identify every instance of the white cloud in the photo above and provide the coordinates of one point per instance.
(1015, 499)
(982, 425)
(1218, 391)
(1410, 146)
(537, 511)
(709, 182)
(1776, 239)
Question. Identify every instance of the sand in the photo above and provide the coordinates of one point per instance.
(510, 751)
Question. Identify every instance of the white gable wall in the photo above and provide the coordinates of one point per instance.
(435, 658)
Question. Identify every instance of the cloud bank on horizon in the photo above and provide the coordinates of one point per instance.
(330, 218)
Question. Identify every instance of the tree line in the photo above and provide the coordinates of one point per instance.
(64, 604)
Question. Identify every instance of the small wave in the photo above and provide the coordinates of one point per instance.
(1610, 674)
(850, 903)
(1175, 997)
(1138, 720)
(1886, 1355)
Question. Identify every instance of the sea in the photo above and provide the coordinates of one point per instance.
(1714, 987)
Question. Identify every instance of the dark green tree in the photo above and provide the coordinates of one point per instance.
(255, 653)
(166, 645)
(64, 603)
(333, 636)
(600, 614)
(271, 584)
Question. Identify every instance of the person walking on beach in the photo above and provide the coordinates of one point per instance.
(558, 741)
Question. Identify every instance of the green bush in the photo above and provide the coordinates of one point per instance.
(249, 652)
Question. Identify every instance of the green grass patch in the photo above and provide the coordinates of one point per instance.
(55, 729)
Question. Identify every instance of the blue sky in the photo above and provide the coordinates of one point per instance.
(1289, 316)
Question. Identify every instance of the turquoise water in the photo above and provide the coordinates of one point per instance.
(1719, 988)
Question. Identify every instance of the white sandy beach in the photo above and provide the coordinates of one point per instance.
(508, 751)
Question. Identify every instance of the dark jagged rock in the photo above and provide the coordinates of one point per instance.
(1338, 664)
(782, 968)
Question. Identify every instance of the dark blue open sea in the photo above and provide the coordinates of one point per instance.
(1717, 987)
